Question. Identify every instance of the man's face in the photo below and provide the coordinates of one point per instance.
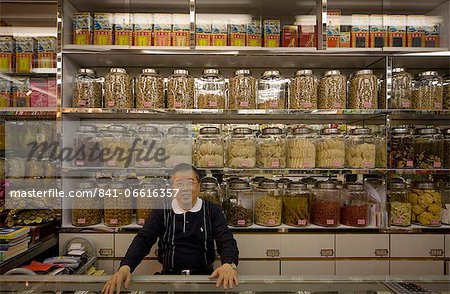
(189, 188)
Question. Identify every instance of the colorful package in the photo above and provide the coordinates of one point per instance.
(51, 89)
(307, 30)
(271, 33)
(290, 36)
(103, 28)
(25, 54)
(21, 92)
(142, 29)
(180, 30)
(238, 32)
(345, 31)
(82, 28)
(219, 32)
(360, 31)
(47, 47)
(432, 31)
(162, 29)
(378, 30)
(5, 93)
(333, 28)
(39, 89)
(7, 54)
(203, 31)
(415, 35)
(123, 29)
(397, 30)
(254, 34)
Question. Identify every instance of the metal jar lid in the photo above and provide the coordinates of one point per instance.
(245, 72)
(117, 128)
(242, 131)
(117, 70)
(297, 186)
(209, 184)
(149, 71)
(330, 131)
(303, 72)
(211, 71)
(423, 185)
(400, 131)
(398, 70)
(209, 131)
(397, 185)
(268, 184)
(364, 72)
(269, 73)
(239, 184)
(302, 131)
(361, 131)
(326, 185)
(426, 131)
(272, 131)
(148, 129)
(332, 73)
(86, 185)
(178, 131)
(181, 72)
(429, 73)
(355, 187)
(87, 129)
(86, 71)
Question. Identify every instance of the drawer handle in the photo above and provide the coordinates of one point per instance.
(436, 252)
(327, 252)
(273, 252)
(381, 252)
(106, 252)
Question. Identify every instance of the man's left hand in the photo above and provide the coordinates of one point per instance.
(225, 275)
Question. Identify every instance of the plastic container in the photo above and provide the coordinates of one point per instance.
(401, 95)
(296, 200)
(87, 89)
(268, 204)
(361, 151)
(211, 90)
(242, 93)
(426, 204)
(401, 148)
(303, 90)
(271, 148)
(272, 91)
(86, 211)
(332, 90)
(355, 206)
(428, 145)
(210, 191)
(363, 91)
(116, 138)
(180, 90)
(399, 205)
(178, 144)
(241, 149)
(428, 91)
(239, 204)
(148, 137)
(209, 148)
(118, 211)
(149, 89)
(87, 137)
(326, 205)
(118, 89)
(301, 148)
(330, 149)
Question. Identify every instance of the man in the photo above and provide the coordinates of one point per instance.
(186, 229)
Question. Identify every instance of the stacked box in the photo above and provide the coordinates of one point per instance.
(307, 31)
(378, 31)
(39, 96)
(162, 29)
(253, 34)
(142, 29)
(290, 36)
(180, 30)
(5, 93)
(203, 31)
(51, 89)
(123, 29)
(333, 28)
(21, 92)
(415, 35)
(345, 31)
(47, 47)
(7, 54)
(397, 30)
(432, 31)
(360, 31)
(25, 54)
(219, 33)
(271, 33)
(103, 28)
(238, 32)
(82, 27)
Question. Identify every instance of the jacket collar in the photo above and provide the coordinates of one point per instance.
(178, 210)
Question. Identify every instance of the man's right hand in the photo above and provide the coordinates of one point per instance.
(123, 275)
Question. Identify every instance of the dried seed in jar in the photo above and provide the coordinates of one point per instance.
(363, 92)
(303, 90)
(332, 90)
(149, 90)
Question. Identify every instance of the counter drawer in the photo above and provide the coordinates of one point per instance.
(362, 245)
(258, 245)
(417, 245)
(307, 245)
(259, 267)
(362, 267)
(146, 267)
(104, 242)
(106, 265)
(417, 267)
(307, 267)
(123, 240)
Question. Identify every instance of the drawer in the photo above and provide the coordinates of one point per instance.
(447, 245)
(106, 265)
(259, 267)
(104, 242)
(362, 267)
(298, 267)
(146, 267)
(417, 267)
(417, 245)
(258, 245)
(307, 245)
(123, 241)
(362, 245)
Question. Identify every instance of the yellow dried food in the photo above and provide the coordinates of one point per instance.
(425, 200)
(436, 197)
(417, 209)
(425, 218)
(435, 209)
(413, 198)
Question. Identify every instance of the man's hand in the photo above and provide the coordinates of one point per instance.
(225, 275)
(116, 280)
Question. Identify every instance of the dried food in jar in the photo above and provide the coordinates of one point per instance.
(401, 96)
(148, 137)
(355, 215)
(325, 213)
(272, 89)
(178, 146)
(332, 90)
(149, 89)
(180, 90)
(211, 90)
(117, 140)
(87, 138)
(303, 90)
(363, 90)
(301, 149)
(209, 148)
(118, 210)
(118, 89)
(427, 148)
(425, 204)
(242, 90)
(295, 211)
(401, 148)
(143, 209)
(86, 211)
(271, 149)
(241, 149)
(380, 151)
(330, 149)
(239, 216)
(268, 211)
(428, 92)
(211, 101)
(446, 93)
(30, 216)
(87, 89)
(400, 213)
(360, 151)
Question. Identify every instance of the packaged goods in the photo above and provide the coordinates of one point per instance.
(238, 30)
(180, 90)
(360, 151)
(272, 91)
(162, 29)
(301, 148)
(360, 31)
(254, 34)
(296, 202)
(238, 205)
(307, 30)
(149, 89)
(333, 28)
(21, 92)
(142, 29)
(39, 96)
(363, 93)
(180, 30)
(46, 47)
(271, 33)
(25, 54)
(209, 148)
(83, 28)
(401, 94)
(432, 31)
(378, 31)
(332, 90)
(415, 34)
(271, 148)
(5, 93)
(242, 92)
(241, 149)
(86, 211)
(87, 89)
(326, 205)
(290, 36)
(345, 34)
(426, 204)
(427, 148)
(330, 149)
(303, 90)
(123, 29)
(401, 149)
(268, 204)
(103, 28)
(397, 30)
(203, 31)
(219, 32)
(7, 53)
(211, 90)
(118, 89)
(428, 91)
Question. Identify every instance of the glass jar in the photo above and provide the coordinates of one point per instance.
(301, 148)
(446, 148)
(272, 88)
(446, 204)
(241, 149)
(145, 205)
(400, 207)
(426, 204)
(309, 182)
(355, 206)
(242, 90)
(87, 138)
(180, 90)
(401, 148)
(330, 149)
(118, 211)
(401, 89)
(332, 90)
(149, 140)
(303, 90)
(427, 147)
(15, 167)
(115, 139)
(360, 151)
(446, 93)
(271, 148)
(363, 91)
(87, 89)
(210, 191)
(209, 148)
(86, 211)
(382, 93)
(239, 204)
(210, 90)
(380, 150)
(268, 204)
(49, 168)
(296, 205)
(118, 89)
(178, 144)
(326, 205)
(149, 89)
(428, 91)
(283, 184)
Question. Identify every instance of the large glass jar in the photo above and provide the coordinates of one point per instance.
(239, 204)
(116, 143)
(271, 148)
(86, 211)
(241, 149)
(446, 93)
(296, 205)
(145, 205)
(87, 89)
(428, 91)
(268, 204)
(401, 148)
(301, 148)
(360, 151)
(209, 148)
(330, 149)
(427, 147)
(118, 89)
(446, 148)
(326, 205)
(400, 207)
(180, 90)
(148, 139)
(363, 92)
(426, 204)
(380, 150)
(149, 89)
(210, 191)
(332, 90)
(401, 89)
(446, 204)
(178, 144)
(303, 90)
(210, 90)
(87, 138)
(272, 90)
(382, 92)
(242, 90)
(118, 211)
(355, 206)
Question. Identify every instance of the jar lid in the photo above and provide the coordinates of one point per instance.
(423, 185)
(181, 72)
(330, 131)
(269, 73)
(398, 70)
(364, 72)
(118, 70)
(309, 180)
(116, 128)
(86, 71)
(297, 186)
(355, 187)
(211, 71)
(332, 72)
(326, 185)
(149, 71)
(397, 185)
(272, 131)
(429, 73)
(242, 72)
(209, 184)
(148, 129)
(87, 128)
(209, 131)
(426, 131)
(178, 131)
(303, 72)
(268, 184)
(86, 185)
(242, 131)
(239, 184)
(302, 131)
(403, 130)
(284, 181)
(361, 131)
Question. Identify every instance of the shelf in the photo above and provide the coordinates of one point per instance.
(34, 72)
(28, 112)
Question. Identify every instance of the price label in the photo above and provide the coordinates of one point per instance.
(409, 163)
(245, 163)
(141, 221)
(434, 222)
(213, 104)
(271, 222)
(437, 105)
(307, 164)
(406, 104)
(111, 103)
(368, 104)
(241, 222)
(437, 164)
(273, 104)
(275, 164)
(307, 105)
(113, 221)
(81, 221)
(177, 104)
(368, 164)
(361, 221)
(398, 221)
(112, 163)
(330, 221)
(337, 105)
(81, 102)
(148, 104)
(79, 163)
(244, 104)
(211, 163)
(302, 222)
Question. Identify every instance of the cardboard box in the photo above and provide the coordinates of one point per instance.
(180, 30)
(378, 30)
(39, 88)
(7, 54)
(162, 29)
(290, 36)
(142, 29)
(432, 31)
(219, 33)
(345, 31)
(103, 28)
(254, 34)
(307, 30)
(25, 54)
(123, 29)
(47, 47)
(5, 93)
(397, 30)
(360, 31)
(333, 28)
(271, 33)
(415, 35)
(82, 28)
(203, 31)
(238, 32)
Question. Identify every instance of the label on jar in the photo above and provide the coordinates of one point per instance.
(212, 103)
(79, 162)
(398, 221)
(409, 163)
(361, 221)
(337, 105)
(211, 163)
(82, 102)
(111, 103)
(113, 221)
(275, 164)
(245, 163)
(241, 222)
(301, 222)
(368, 164)
(437, 105)
(81, 221)
(307, 164)
(406, 104)
(437, 164)
(368, 104)
(244, 104)
(271, 222)
(434, 222)
(148, 104)
(307, 104)
(273, 104)
(177, 104)
(141, 221)
(112, 163)
(330, 221)
(337, 164)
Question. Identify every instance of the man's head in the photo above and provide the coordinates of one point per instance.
(186, 179)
